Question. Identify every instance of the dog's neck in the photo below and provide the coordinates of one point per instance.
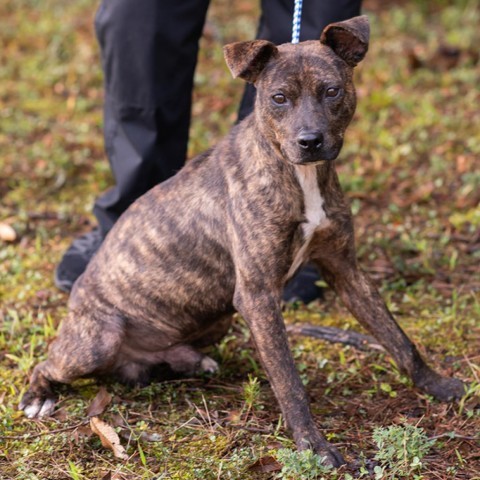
(314, 214)
(307, 176)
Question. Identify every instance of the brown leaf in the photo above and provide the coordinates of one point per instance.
(83, 431)
(112, 476)
(265, 465)
(108, 437)
(233, 416)
(463, 163)
(117, 420)
(99, 403)
(7, 233)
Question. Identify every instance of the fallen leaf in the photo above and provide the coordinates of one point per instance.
(108, 437)
(234, 416)
(99, 403)
(117, 420)
(61, 415)
(82, 432)
(7, 233)
(265, 465)
(112, 476)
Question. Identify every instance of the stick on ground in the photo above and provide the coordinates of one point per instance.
(336, 335)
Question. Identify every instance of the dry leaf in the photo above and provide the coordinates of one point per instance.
(113, 476)
(99, 403)
(265, 465)
(7, 233)
(108, 437)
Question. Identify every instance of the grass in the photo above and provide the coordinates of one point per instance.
(410, 167)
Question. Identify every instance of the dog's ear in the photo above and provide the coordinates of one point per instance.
(348, 39)
(247, 59)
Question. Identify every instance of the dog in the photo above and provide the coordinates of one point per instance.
(226, 233)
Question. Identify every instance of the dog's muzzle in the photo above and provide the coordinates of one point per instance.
(312, 147)
(310, 142)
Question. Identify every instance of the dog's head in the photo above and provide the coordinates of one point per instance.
(305, 93)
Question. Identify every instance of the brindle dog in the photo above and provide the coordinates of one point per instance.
(226, 233)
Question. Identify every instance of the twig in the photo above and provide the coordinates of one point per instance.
(28, 436)
(337, 335)
(453, 435)
(251, 429)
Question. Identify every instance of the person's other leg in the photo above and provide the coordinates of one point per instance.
(276, 26)
(149, 52)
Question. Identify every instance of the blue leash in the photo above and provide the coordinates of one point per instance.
(297, 19)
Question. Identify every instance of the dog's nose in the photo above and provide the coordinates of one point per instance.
(310, 141)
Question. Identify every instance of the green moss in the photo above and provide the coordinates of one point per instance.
(410, 166)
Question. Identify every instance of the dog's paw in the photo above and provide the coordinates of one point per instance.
(37, 407)
(329, 453)
(208, 365)
(444, 389)
(332, 456)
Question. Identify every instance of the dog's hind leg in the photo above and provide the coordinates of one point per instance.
(84, 346)
(180, 360)
(185, 360)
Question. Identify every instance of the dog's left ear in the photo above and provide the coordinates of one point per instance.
(247, 59)
(348, 39)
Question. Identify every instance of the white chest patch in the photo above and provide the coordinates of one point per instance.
(314, 213)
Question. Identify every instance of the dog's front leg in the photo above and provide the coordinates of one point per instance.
(261, 310)
(360, 296)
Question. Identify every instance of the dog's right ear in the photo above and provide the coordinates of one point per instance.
(247, 59)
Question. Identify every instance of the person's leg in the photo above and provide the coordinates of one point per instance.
(276, 26)
(149, 52)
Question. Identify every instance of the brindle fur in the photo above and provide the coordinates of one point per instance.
(221, 236)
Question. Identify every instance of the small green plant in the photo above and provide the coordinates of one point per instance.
(74, 471)
(304, 465)
(400, 450)
(251, 392)
(472, 390)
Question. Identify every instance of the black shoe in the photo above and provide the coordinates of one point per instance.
(302, 287)
(76, 258)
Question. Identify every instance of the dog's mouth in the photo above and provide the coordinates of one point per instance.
(324, 156)
(313, 162)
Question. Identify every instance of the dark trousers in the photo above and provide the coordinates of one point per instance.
(149, 53)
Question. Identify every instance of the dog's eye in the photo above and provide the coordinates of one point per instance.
(332, 92)
(279, 98)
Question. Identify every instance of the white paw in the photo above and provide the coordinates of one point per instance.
(208, 365)
(39, 408)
